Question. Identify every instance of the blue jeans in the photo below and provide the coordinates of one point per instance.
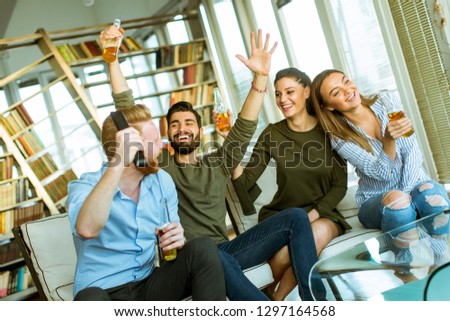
(373, 214)
(290, 227)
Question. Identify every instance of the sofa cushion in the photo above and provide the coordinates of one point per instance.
(52, 252)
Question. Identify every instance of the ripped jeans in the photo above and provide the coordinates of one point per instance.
(426, 198)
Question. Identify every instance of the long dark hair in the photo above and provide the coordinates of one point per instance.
(333, 122)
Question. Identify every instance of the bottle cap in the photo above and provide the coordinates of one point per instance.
(116, 23)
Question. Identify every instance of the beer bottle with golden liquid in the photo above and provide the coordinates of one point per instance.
(169, 255)
(222, 111)
(393, 110)
(112, 46)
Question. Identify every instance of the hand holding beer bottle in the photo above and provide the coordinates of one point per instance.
(394, 110)
(111, 45)
(168, 255)
(223, 119)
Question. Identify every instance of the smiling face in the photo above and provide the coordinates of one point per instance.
(339, 93)
(184, 132)
(291, 96)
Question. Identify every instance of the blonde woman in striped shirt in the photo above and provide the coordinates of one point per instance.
(394, 188)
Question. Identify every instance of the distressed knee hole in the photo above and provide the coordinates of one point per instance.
(440, 221)
(396, 200)
(436, 200)
(425, 186)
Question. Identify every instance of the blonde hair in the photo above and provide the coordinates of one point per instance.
(333, 122)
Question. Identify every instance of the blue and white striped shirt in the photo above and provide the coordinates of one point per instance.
(377, 172)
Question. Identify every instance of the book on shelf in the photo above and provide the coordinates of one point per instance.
(9, 251)
(15, 280)
(164, 57)
(172, 55)
(21, 214)
(131, 43)
(43, 166)
(15, 191)
(6, 167)
(29, 143)
(57, 188)
(16, 120)
(72, 52)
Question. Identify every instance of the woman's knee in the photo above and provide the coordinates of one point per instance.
(296, 213)
(433, 194)
(396, 200)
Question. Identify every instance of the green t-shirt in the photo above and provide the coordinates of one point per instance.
(201, 187)
(309, 173)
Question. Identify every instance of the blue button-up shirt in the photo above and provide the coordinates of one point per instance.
(377, 172)
(125, 248)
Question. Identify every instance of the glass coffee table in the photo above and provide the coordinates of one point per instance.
(384, 268)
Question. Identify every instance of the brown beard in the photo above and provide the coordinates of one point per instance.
(186, 148)
(150, 168)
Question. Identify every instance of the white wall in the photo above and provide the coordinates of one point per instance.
(29, 15)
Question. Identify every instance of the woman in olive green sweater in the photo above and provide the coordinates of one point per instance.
(310, 175)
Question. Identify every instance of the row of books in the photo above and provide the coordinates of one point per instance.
(179, 54)
(17, 280)
(6, 167)
(197, 73)
(57, 188)
(20, 215)
(9, 251)
(44, 166)
(16, 120)
(72, 52)
(29, 143)
(15, 191)
(198, 95)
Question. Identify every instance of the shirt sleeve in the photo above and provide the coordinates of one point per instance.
(78, 192)
(412, 163)
(245, 185)
(338, 189)
(380, 167)
(124, 99)
(229, 155)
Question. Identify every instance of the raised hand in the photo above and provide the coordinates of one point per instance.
(259, 61)
(109, 33)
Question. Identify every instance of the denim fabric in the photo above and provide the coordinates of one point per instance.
(289, 227)
(373, 214)
(420, 200)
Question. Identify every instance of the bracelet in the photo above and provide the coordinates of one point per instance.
(259, 90)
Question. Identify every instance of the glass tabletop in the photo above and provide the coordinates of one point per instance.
(393, 266)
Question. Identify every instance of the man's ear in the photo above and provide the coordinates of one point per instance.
(201, 133)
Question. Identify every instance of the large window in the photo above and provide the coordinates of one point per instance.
(305, 36)
(359, 36)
